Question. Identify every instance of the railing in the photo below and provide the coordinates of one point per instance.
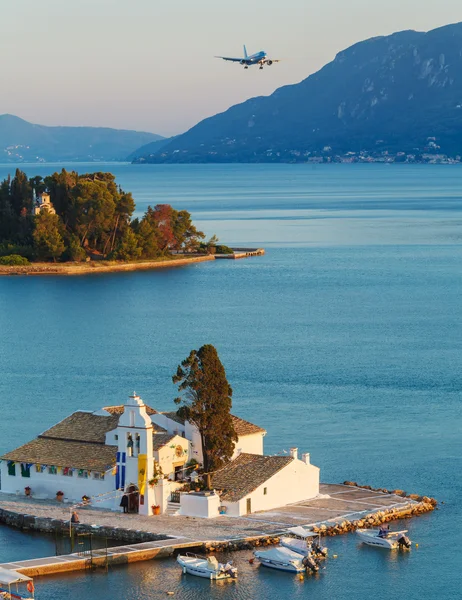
(175, 497)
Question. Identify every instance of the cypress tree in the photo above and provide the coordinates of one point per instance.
(206, 402)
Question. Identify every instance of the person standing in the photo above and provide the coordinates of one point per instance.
(124, 503)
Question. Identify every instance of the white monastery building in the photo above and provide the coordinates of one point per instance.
(146, 455)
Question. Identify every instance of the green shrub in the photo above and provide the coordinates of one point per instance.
(6, 249)
(221, 249)
(74, 251)
(14, 260)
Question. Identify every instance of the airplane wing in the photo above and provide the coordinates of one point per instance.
(229, 58)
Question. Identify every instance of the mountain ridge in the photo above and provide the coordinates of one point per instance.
(22, 141)
(400, 93)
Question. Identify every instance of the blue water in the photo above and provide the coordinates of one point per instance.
(345, 340)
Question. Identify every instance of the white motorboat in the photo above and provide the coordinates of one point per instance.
(281, 558)
(391, 540)
(207, 567)
(15, 586)
(304, 542)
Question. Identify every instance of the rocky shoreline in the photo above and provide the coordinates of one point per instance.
(417, 505)
(344, 526)
(98, 267)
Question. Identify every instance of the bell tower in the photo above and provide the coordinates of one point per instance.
(136, 455)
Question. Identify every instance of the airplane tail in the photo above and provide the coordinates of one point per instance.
(245, 52)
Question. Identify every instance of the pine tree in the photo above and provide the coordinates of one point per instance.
(128, 248)
(206, 402)
(48, 241)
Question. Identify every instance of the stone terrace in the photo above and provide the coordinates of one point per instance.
(336, 503)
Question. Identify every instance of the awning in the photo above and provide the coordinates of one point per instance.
(8, 577)
(302, 532)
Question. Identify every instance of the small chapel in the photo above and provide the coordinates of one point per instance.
(150, 458)
(42, 203)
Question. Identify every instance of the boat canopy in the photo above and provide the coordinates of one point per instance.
(302, 532)
(212, 563)
(9, 577)
(279, 554)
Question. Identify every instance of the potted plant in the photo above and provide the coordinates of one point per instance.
(59, 496)
(27, 490)
(153, 481)
(155, 509)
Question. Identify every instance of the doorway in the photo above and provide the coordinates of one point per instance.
(179, 473)
(249, 505)
(133, 499)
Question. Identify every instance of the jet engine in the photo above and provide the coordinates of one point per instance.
(269, 63)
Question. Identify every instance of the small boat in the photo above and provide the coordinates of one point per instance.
(281, 558)
(392, 540)
(14, 586)
(304, 542)
(207, 567)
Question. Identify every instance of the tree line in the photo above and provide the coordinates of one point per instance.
(93, 218)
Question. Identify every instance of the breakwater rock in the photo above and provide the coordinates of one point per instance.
(401, 493)
(242, 544)
(418, 505)
(28, 522)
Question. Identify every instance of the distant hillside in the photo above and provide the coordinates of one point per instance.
(147, 150)
(399, 93)
(21, 141)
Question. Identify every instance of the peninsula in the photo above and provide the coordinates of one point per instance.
(70, 224)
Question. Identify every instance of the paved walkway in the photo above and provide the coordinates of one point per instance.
(336, 502)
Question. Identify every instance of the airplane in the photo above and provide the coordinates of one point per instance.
(259, 58)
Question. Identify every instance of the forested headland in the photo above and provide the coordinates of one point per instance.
(89, 218)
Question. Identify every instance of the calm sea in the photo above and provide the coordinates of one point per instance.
(345, 340)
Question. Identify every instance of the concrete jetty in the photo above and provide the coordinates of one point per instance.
(118, 555)
(338, 509)
(241, 253)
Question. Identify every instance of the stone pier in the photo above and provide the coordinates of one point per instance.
(340, 508)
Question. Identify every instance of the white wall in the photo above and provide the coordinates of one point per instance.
(251, 444)
(193, 435)
(198, 505)
(169, 424)
(296, 482)
(112, 438)
(232, 509)
(46, 485)
(166, 456)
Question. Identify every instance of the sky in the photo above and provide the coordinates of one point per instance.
(149, 64)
